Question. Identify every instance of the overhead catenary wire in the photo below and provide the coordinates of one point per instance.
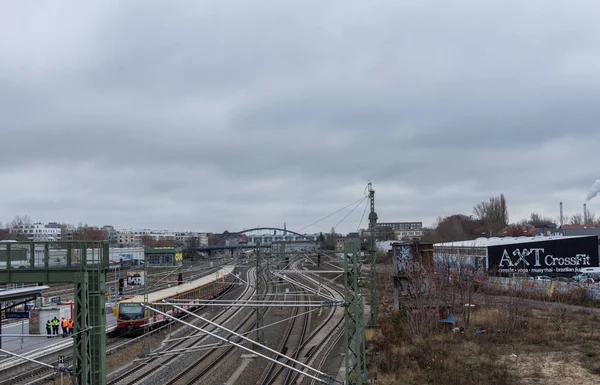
(354, 208)
(363, 215)
(315, 372)
(332, 214)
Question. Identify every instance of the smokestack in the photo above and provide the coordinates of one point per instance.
(561, 214)
(584, 214)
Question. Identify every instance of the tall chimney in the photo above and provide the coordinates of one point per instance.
(585, 214)
(561, 214)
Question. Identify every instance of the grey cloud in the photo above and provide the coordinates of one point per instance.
(220, 115)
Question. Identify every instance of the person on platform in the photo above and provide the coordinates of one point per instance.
(55, 323)
(65, 326)
(71, 326)
(49, 328)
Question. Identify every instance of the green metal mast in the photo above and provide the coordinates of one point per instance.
(89, 339)
(372, 220)
(81, 339)
(260, 335)
(356, 363)
(97, 314)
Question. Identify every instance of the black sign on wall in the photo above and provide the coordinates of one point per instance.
(566, 255)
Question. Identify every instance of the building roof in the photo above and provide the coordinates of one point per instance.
(582, 231)
(156, 250)
(487, 242)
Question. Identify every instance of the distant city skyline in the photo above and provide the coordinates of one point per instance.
(343, 228)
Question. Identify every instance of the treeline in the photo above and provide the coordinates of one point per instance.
(490, 219)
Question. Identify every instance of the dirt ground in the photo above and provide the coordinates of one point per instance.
(554, 368)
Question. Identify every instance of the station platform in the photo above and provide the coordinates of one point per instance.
(25, 345)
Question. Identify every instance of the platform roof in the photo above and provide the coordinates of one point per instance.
(21, 293)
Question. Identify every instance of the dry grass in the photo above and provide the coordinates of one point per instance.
(518, 344)
(438, 357)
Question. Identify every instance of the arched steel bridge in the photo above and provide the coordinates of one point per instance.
(245, 246)
(271, 229)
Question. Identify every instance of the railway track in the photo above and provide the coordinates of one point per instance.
(277, 375)
(196, 371)
(319, 338)
(296, 343)
(312, 347)
(335, 338)
(321, 342)
(169, 354)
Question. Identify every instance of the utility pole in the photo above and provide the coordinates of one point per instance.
(260, 335)
(372, 221)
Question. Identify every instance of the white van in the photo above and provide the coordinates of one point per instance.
(595, 270)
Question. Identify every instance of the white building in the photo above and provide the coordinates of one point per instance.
(39, 232)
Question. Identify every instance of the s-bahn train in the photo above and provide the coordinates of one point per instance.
(119, 264)
(131, 317)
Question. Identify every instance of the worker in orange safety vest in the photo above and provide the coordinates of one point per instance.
(64, 324)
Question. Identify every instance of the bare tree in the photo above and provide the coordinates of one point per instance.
(330, 242)
(493, 214)
(19, 221)
(148, 241)
(4, 233)
(590, 217)
(64, 231)
(191, 244)
(456, 227)
(537, 220)
(214, 239)
(386, 234)
(165, 243)
(322, 240)
(576, 219)
(90, 234)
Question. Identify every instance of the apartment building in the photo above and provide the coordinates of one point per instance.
(39, 232)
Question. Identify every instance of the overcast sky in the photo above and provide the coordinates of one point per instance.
(215, 115)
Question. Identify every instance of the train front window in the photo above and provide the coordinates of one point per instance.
(131, 311)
